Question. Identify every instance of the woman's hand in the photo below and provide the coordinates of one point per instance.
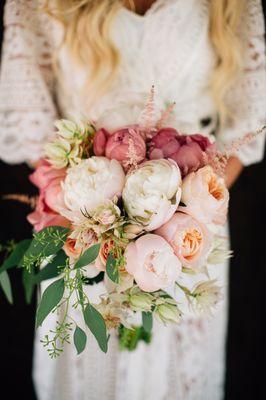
(233, 170)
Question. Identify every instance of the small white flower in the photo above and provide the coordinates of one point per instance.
(152, 193)
(219, 252)
(206, 296)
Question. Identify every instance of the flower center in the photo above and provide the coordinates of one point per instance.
(215, 189)
(192, 241)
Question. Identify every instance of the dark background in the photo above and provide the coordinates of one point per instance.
(246, 349)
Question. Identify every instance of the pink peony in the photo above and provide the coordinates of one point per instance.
(190, 240)
(152, 263)
(205, 196)
(186, 150)
(125, 145)
(50, 201)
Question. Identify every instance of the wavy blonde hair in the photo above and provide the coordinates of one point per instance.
(87, 34)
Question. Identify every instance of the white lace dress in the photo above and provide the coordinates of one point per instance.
(168, 47)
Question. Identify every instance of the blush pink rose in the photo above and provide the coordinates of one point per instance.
(152, 263)
(191, 240)
(50, 202)
(186, 150)
(43, 216)
(121, 145)
(205, 196)
(45, 173)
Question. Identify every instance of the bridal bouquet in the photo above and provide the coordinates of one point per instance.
(136, 208)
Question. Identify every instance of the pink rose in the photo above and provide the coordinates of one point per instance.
(50, 202)
(122, 145)
(45, 173)
(43, 216)
(190, 240)
(186, 150)
(99, 142)
(152, 263)
(205, 196)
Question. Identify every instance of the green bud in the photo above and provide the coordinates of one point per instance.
(168, 313)
(141, 302)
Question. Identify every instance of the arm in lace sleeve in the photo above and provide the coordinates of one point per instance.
(27, 110)
(246, 99)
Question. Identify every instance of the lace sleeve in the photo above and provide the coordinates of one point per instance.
(27, 110)
(246, 99)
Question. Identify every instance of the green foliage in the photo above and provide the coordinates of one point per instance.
(44, 244)
(96, 324)
(16, 256)
(112, 269)
(28, 283)
(52, 269)
(147, 321)
(51, 297)
(129, 338)
(88, 256)
(57, 338)
(80, 339)
(6, 286)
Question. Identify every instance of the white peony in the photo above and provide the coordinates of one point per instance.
(90, 184)
(152, 193)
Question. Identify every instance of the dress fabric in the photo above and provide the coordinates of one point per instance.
(170, 48)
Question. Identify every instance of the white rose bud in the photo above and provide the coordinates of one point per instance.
(66, 129)
(152, 193)
(168, 313)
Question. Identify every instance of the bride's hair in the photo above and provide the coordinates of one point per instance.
(87, 34)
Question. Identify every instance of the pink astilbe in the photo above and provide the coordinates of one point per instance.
(218, 159)
(133, 159)
(147, 117)
(165, 115)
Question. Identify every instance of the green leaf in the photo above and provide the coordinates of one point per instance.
(28, 283)
(47, 242)
(96, 324)
(16, 256)
(147, 321)
(88, 256)
(50, 299)
(111, 269)
(6, 286)
(80, 339)
(52, 269)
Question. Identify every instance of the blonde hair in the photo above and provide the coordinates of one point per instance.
(87, 34)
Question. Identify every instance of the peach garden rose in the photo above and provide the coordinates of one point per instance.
(191, 240)
(205, 196)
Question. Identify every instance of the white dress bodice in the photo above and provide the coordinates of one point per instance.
(169, 47)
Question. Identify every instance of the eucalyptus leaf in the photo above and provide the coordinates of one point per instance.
(80, 339)
(111, 269)
(88, 256)
(52, 269)
(16, 256)
(96, 324)
(50, 299)
(6, 286)
(47, 242)
(28, 283)
(147, 321)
